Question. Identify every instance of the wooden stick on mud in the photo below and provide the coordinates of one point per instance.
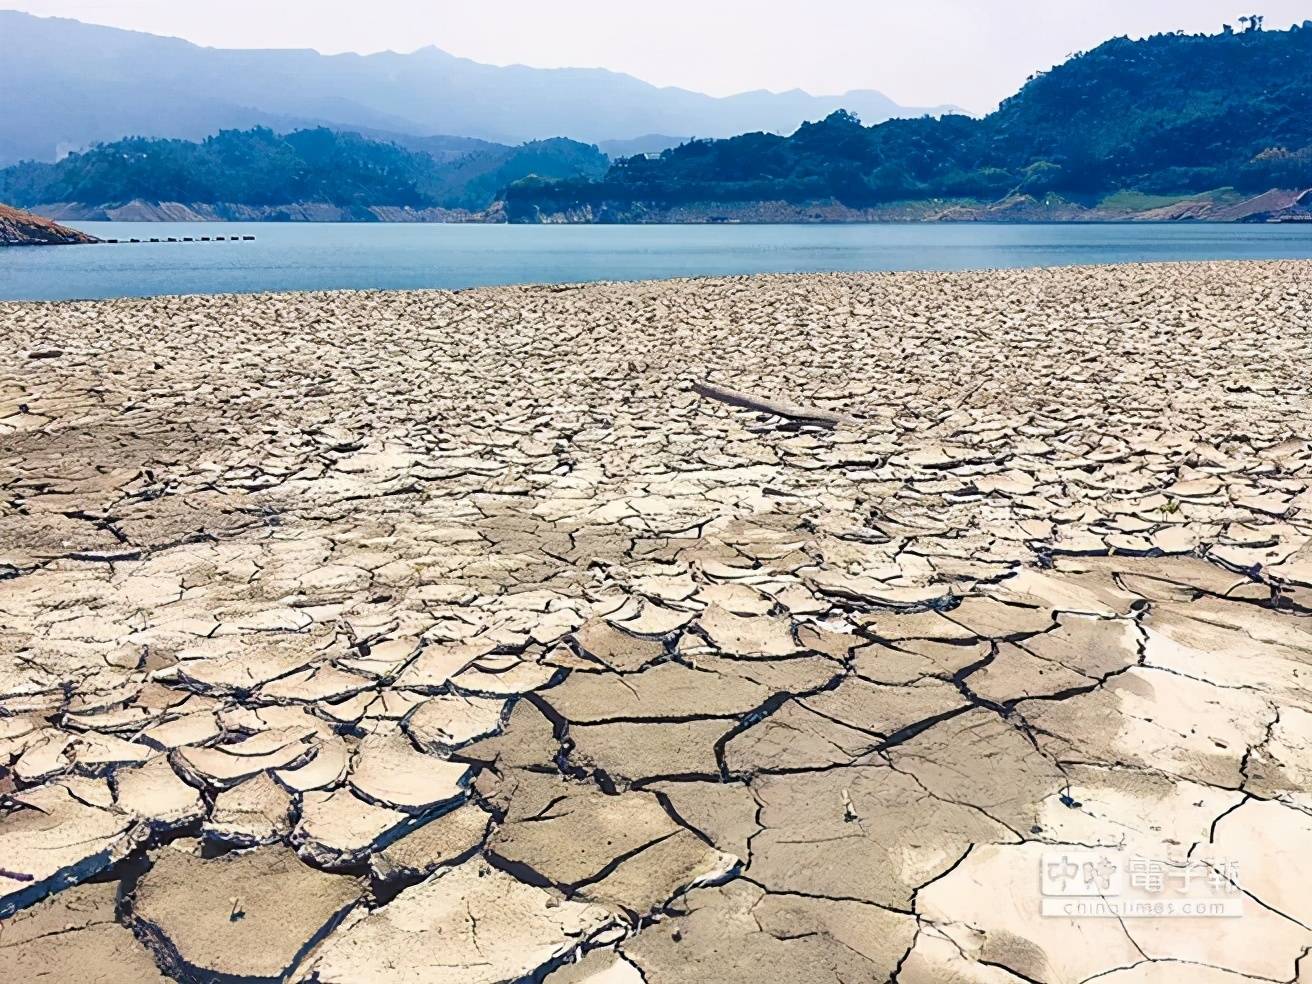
(793, 411)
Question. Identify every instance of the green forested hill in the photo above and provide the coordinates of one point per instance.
(1168, 114)
(260, 167)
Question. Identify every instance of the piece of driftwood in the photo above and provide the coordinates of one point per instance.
(793, 411)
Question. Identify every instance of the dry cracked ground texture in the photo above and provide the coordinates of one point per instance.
(429, 637)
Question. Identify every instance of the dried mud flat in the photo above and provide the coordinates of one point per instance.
(436, 637)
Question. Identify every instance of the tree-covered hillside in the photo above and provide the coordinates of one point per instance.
(1168, 114)
(261, 167)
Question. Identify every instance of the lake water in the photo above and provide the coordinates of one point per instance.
(305, 256)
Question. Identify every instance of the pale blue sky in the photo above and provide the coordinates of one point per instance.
(920, 53)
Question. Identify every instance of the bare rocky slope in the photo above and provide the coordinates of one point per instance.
(1275, 205)
(774, 629)
(19, 228)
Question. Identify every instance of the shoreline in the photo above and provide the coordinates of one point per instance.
(691, 281)
(1273, 205)
(1110, 220)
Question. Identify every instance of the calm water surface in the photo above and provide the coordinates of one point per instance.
(331, 256)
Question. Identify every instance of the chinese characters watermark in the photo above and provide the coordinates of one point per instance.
(1120, 884)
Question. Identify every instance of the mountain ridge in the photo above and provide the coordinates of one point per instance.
(1171, 115)
(70, 85)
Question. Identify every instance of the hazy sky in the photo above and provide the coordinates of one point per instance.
(968, 52)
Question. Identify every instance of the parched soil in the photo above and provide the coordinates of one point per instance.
(495, 636)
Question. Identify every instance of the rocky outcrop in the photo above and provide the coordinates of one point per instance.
(19, 228)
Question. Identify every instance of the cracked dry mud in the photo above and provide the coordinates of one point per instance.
(427, 637)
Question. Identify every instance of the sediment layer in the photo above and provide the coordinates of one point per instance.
(752, 629)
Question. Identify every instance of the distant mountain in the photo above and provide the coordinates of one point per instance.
(67, 85)
(648, 143)
(475, 180)
(267, 171)
(441, 147)
(1164, 117)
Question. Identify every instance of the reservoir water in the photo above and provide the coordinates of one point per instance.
(314, 256)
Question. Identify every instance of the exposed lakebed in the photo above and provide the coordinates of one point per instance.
(360, 638)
